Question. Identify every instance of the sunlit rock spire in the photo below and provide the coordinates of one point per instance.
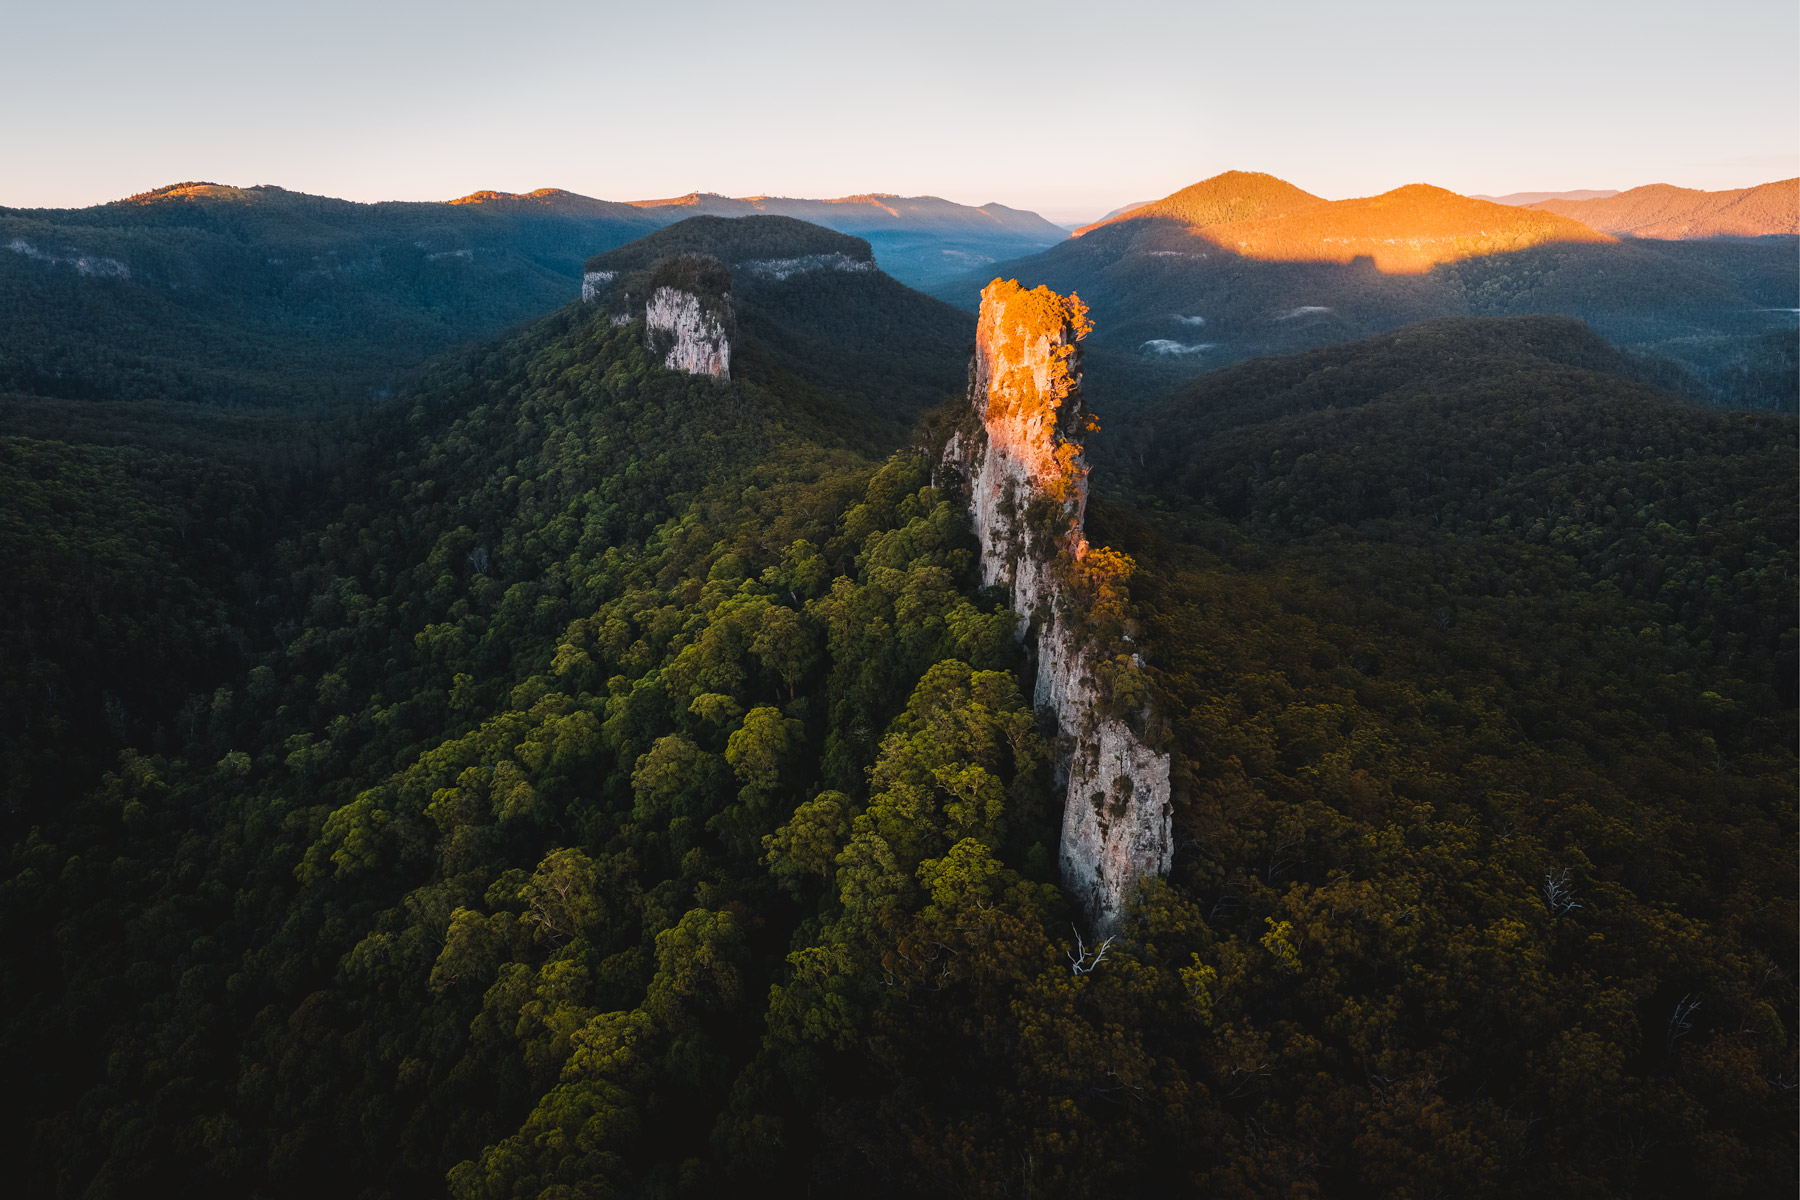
(1027, 483)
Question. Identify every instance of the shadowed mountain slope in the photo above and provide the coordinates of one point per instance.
(1421, 359)
(1662, 210)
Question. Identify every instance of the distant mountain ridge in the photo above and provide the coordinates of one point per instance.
(211, 293)
(1534, 197)
(1662, 210)
(918, 239)
(1407, 230)
(1245, 264)
(877, 210)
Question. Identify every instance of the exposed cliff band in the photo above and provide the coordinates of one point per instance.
(1028, 492)
(689, 319)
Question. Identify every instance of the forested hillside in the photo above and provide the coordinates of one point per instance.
(262, 296)
(593, 780)
(1662, 211)
(202, 293)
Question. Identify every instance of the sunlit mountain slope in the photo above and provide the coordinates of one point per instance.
(1405, 231)
(1664, 211)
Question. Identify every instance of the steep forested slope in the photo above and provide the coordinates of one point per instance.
(823, 323)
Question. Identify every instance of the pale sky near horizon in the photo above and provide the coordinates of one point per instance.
(1070, 110)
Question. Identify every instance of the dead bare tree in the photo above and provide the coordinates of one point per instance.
(1559, 893)
(1681, 1022)
(1082, 961)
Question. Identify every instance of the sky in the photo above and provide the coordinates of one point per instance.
(1069, 110)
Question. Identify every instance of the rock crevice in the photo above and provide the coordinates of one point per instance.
(1027, 480)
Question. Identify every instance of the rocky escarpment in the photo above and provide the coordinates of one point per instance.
(1021, 458)
(689, 319)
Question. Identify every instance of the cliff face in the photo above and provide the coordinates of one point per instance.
(700, 345)
(689, 319)
(1028, 491)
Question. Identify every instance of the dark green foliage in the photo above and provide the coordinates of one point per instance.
(130, 534)
(631, 793)
(1486, 687)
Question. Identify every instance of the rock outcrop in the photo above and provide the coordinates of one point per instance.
(689, 318)
(700, 345)
(1027, 480)
(594, 283)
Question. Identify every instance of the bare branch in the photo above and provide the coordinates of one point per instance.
(1080, 962)
(1559, 893)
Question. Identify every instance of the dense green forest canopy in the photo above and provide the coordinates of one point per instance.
(590, 780)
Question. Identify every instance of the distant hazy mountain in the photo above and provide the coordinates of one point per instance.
(1124, 208)
(1245, 264)
(1664, 211)
(920, 240)
(1535, 197)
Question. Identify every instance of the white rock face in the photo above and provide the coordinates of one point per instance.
(593, 283)
(781, 268)
(85, 264)
(1116, 814)
(700, 345)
